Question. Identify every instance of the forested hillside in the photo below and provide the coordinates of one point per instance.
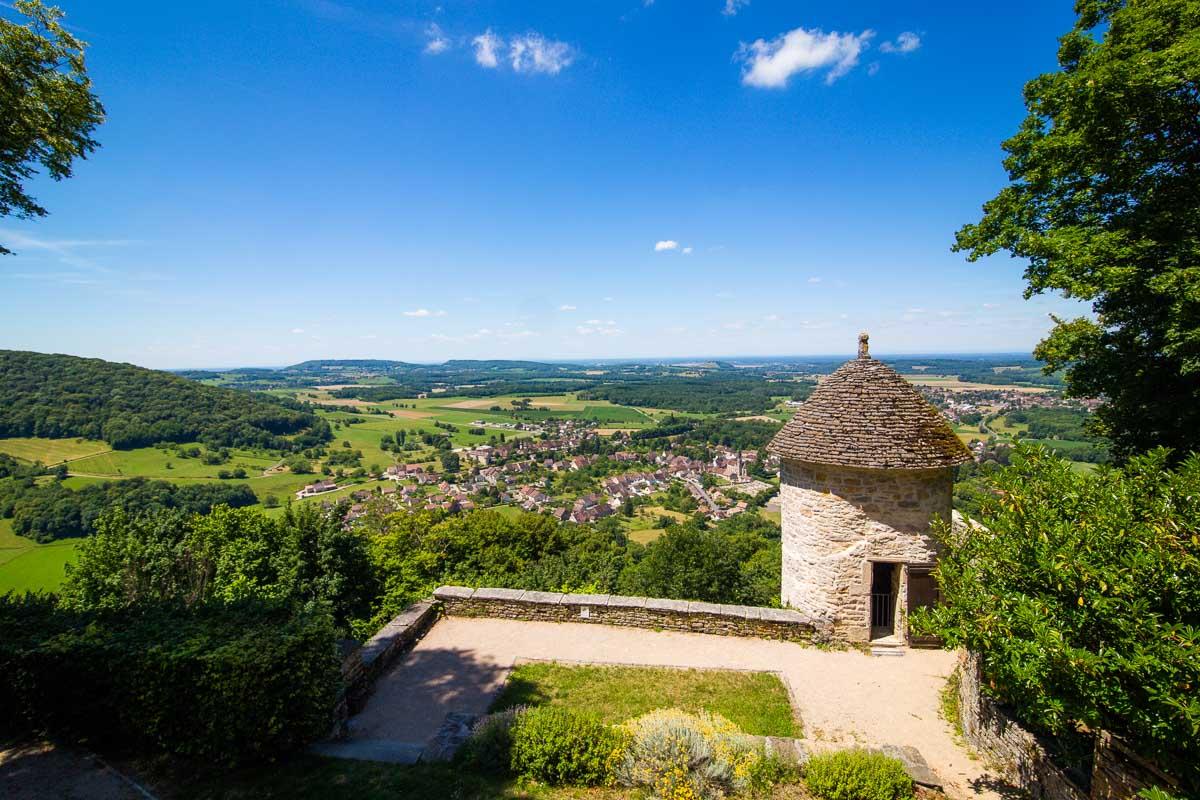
(57, 396)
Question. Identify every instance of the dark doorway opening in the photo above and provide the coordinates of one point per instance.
(922, 593)
(883, 600)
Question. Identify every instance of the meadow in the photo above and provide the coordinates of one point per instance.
(52, 451)
(28, 566)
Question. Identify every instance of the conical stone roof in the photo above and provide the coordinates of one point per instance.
(865, 415)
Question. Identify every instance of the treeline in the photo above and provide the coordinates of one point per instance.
(45, 512)
(57, 396)
(714, 394)
(1054, 423)
(734, 434)
(382, 394)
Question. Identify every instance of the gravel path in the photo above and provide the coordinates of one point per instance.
(844, 698)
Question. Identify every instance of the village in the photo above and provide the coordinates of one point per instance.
(529, 474)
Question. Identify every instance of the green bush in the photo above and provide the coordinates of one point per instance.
(222, 685)
(857, 775)
(489, 750)
(680, 756)
(560, 746)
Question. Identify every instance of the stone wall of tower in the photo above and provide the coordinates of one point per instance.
(837, 520)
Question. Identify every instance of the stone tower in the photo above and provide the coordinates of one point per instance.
(866, 464)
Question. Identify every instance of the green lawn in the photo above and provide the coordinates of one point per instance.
(52, 451)
(757, 701)
(314, 778)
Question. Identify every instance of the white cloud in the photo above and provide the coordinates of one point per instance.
(486, 44)
(437, 41)
(608, 299)
(424, 312)
(771, 318)
(991, 305)
(905, 43)
(535, 53)
(732, 7)
(666, 244)
(814, 279)
(769, 65)
(297, 330)
(687, 251)
(566, 308)
(873, 68)
(596, 327)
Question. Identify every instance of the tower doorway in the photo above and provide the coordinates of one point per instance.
(883, 600)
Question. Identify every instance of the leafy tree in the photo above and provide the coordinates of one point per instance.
(1104, 205)
(450, 461)
(1081, 595)
(47, 109)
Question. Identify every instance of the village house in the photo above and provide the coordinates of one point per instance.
(320, 487)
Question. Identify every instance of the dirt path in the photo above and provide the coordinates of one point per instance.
(844, 698)
(38, 770)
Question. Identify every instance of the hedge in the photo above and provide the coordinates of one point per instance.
(225, 685)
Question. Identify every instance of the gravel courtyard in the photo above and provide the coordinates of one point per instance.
(844, 698)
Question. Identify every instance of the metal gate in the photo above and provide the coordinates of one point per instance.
(883, 610)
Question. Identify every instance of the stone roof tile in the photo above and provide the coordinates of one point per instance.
(866, 415)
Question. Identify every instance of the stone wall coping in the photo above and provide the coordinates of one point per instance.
(585, 599)
(548, 598)
(497, 594)
(520, 597)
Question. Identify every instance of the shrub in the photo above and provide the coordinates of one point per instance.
(489, 749)
(677, 755)
(223, 685)
(857, 775)
(561, 746)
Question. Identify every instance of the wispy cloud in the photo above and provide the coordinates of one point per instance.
(424, 312)
(535, 53)
(770, 64)
(732, 7)
(529, 53)
(904, 43)
(814, 279)
(297, 331)
(566, 308)
(487, 46)
(687, 251)
(435, 40)
(665, 244)
(598, 327)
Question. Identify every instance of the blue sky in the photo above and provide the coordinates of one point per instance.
(291, 179)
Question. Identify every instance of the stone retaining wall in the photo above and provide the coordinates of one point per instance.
(1021, 757)
(1118, 772)
(363, 667)
(634, 612)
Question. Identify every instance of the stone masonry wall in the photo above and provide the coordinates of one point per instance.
(997, 736)
(1118, 772)
(837, 520)
(361, 668)
(635, 612)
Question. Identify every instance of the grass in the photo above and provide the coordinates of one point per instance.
(314, 778)
(37, 567)
(757, 702)
(151, 462)
(52, 451)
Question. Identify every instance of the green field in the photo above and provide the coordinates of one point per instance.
(152, 462)
(52, 451)
(26, 565)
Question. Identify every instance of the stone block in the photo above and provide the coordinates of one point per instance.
(453, 592)
(661, 604)
(585, 599)
(497, 594)
(542, 598)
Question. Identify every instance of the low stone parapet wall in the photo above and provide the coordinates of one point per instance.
(363, 667)
(633, 612)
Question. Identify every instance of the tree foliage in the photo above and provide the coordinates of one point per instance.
(1081, 595)
(1104, 204)
(223, 558)
(50, 511)
(47, 109)
(57, 396)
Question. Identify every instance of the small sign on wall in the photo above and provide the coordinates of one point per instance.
(585, 612)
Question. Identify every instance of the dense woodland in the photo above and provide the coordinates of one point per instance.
(715, 393)
(57, 396)
(48, 511)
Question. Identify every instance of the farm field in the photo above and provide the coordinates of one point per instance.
(26, 566)
(952, 383)
(52, 451)
(151, 462)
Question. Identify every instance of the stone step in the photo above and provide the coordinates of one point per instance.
(887, 650)
(390, 751)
